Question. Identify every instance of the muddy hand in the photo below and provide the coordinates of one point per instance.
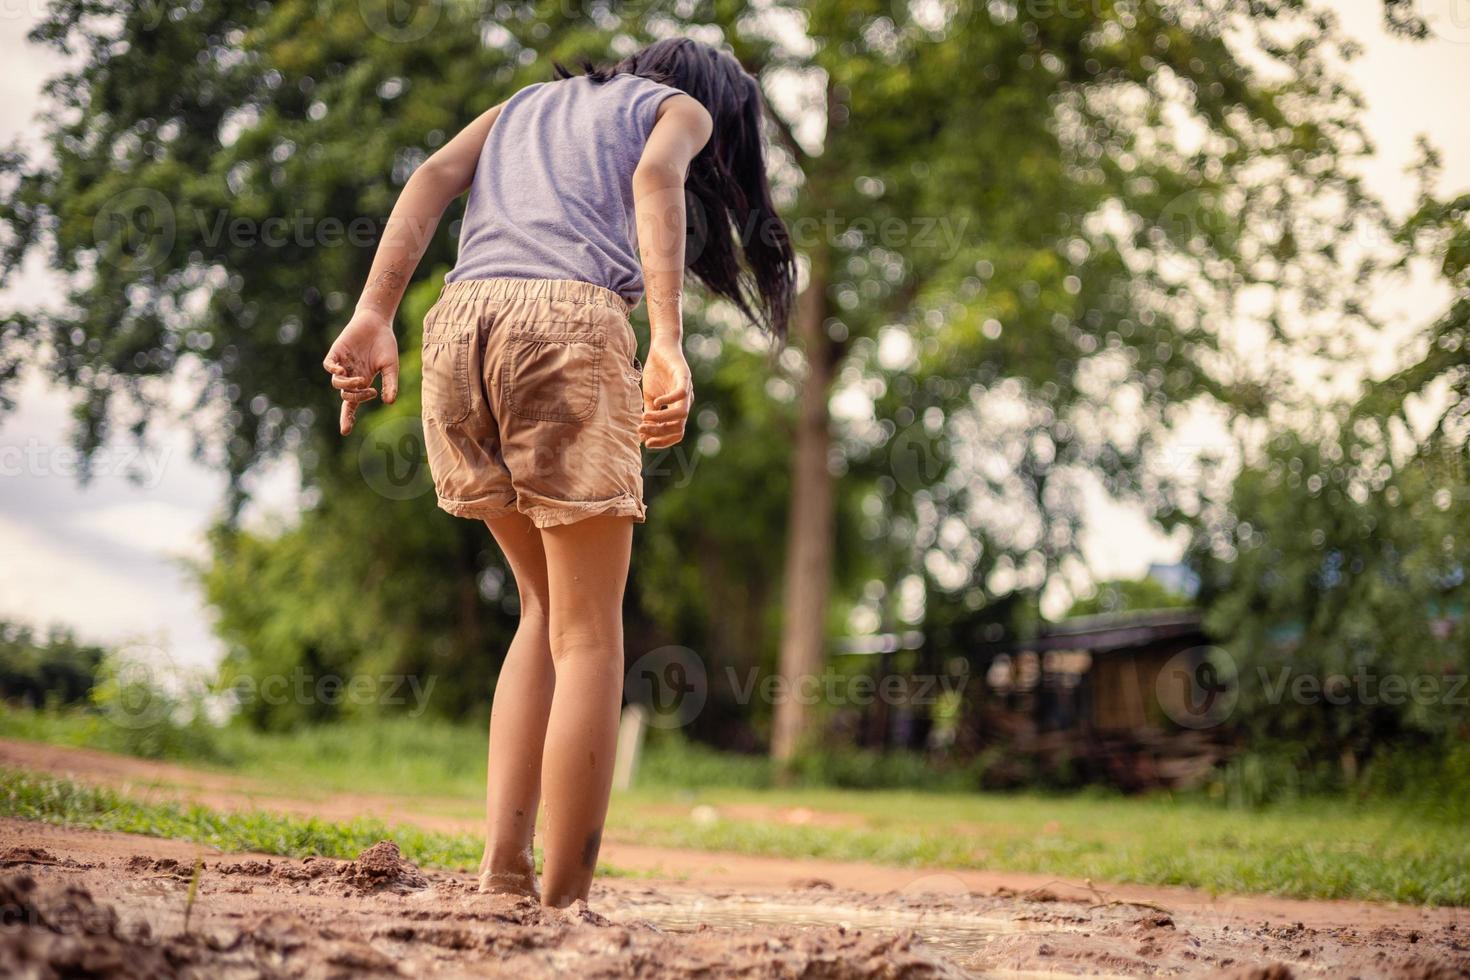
(365, 348)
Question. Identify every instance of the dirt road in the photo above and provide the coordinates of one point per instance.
(114, 904)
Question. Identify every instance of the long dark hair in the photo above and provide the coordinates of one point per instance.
(727, 180)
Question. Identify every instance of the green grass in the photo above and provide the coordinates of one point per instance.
(31, 796)
(1306, 850)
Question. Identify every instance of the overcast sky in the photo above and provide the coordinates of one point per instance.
(105, 559)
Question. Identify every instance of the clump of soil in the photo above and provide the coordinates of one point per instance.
(1425, 970)
(54, 930)
(166, 867)
(380, 868)
(51, 931)
(26, 855)
(249, 869)
(383, 868)
(1273, 971)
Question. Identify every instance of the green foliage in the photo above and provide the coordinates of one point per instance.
(676, 762)
(153, 717)
(83, 729)
(113, 699)
(1434, 381)
(425, 757)
(847, 768)
(670, 760)
(1339, 564)
(1129, 595)
(1336, 581)
(1434, 781)
(50, 669)
(1434, 784)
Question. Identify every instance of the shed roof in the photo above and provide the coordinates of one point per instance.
(1115, 631)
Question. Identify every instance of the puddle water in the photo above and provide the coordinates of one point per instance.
(961, 939)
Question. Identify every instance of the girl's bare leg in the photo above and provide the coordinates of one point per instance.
(518, 718)
(586, 569)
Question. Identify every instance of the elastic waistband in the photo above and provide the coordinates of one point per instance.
(550, 290)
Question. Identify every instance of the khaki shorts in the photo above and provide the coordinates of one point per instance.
(532, 394)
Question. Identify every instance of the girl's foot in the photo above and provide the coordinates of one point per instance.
(509, 883)
(508, 871)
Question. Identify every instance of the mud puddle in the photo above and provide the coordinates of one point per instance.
(1044, 936)
(959, 938)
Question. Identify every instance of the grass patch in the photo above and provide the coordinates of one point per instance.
(31, 796)
(1354, 851)
(68, 804)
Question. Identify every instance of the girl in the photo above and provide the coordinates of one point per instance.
(533, 400)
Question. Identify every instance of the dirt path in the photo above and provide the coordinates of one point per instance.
(113, 905)
(713, 915)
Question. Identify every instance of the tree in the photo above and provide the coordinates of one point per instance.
(1109, 246)
(1337, 585)
(50, 668)
(1340, 556)
(1128, 595)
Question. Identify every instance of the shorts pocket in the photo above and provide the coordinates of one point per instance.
(446, 371)
(554, 376)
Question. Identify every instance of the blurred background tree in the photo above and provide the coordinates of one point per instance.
(1342, 551)
(46, 669)
(1124, 595)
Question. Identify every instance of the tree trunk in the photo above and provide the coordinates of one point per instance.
(809, 529)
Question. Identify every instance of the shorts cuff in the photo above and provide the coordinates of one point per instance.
(546, 512)
(482, 509)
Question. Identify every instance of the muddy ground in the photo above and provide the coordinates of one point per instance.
(87, 903)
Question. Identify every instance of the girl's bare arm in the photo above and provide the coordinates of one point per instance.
(415, 218)
(366, 346)
(680, 132)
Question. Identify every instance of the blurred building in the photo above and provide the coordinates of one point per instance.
(1112, 698)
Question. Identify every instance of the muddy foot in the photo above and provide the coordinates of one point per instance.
(509, 883)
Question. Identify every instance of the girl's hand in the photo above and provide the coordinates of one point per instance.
(365, 347)
(668, 395)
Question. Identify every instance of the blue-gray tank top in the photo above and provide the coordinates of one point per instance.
(552, 195)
